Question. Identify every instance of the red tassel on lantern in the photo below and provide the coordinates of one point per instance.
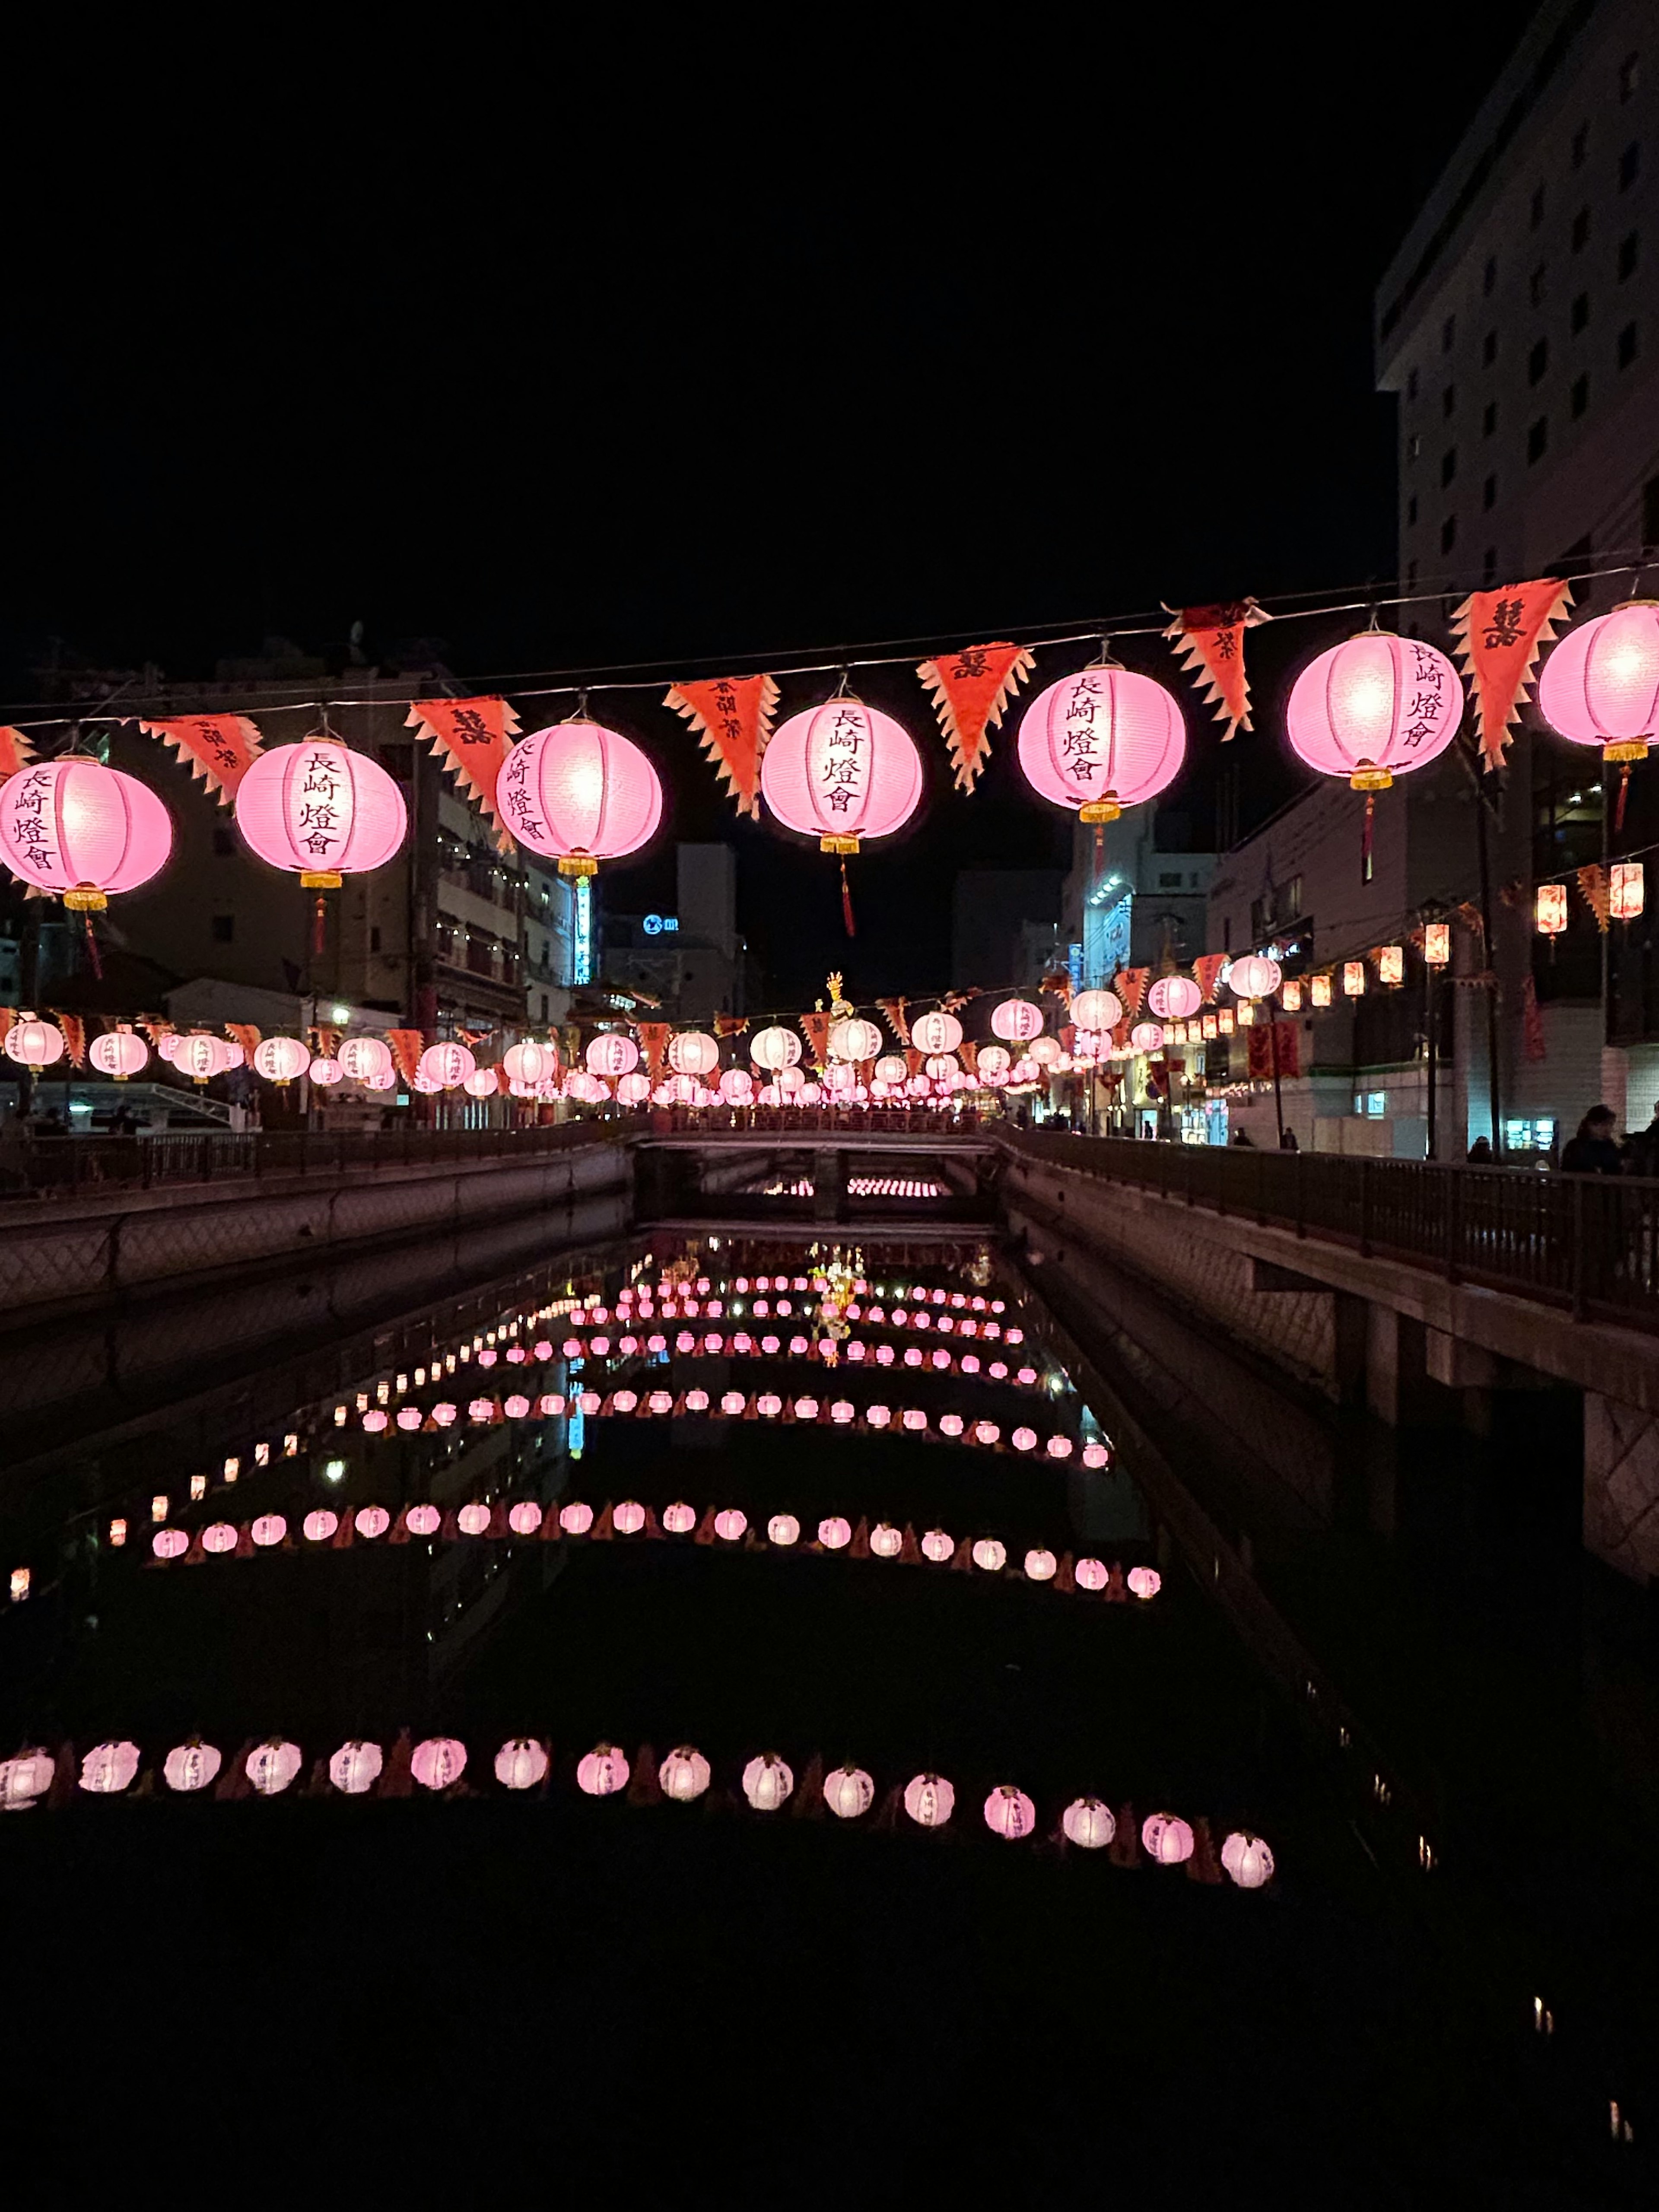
(849, 924)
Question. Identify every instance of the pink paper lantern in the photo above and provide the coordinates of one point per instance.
(775, 1049)
(1097, 1456)
(602, 1773)
(423, 1520)
(319, 1527)
(936, 1032)
(448, 1067)
(1097, 1010)
(325, 1072)
(1252, 976)
(612, 1054)
(25, 1779)
(1174, 997)
(365, 1059)
(321, 812)
(886, 1542)
(730, 1524)
(440, 1760)
(693, 1052)
(268, 1530)
(371, 1521)
(521, 1762)
(768, 1784)
(1166, 1840)
(525, 1518)
(1009, 1812)
(783, 1529)
(76, 827)
(738, 1087)
(1088, 1824)
(1102, 740)
(938, 1546)
(1041, 1565)
(929, 1800)
(273, 1767)
(356, 1767)
(483, 1083)
(834, 1532)
(841, 772)
(1016, 1021)
(34, 1043)
(109, 1768)
(118, 1053)
(679, 1519)
(855, 1039)
(1600, 685)
(892, 1067)
(989, 1556)
(578, 793)
(1148, 1036)
(280, 1060)
(633, 1089)
(684, 1775)
(473, 1519)
(530, 1063)
(1246, 1860)
(1375, 708)
(848, 1792)
(628, 1518)
(191, 1766)
(993, 1062)
(1144, 1583)
(218, 1537)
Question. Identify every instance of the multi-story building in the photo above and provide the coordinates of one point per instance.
(692, 964)
(1139, 904)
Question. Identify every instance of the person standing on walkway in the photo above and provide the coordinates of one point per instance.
(1592, 1150)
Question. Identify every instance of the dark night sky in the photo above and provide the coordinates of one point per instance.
(650, 351)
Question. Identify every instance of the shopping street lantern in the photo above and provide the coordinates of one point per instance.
(1174, 997)
(1600, 686)
(1102, 740)
(83, 830)
(841, 772)
(578, 793)
(322, 813)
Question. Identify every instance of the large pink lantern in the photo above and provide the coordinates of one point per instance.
(633, 1089)
(774, 1050)
(483, 1083)
(1102, 740)
(1374, 707)
(684, 1775)
(320, 811)
(272, 1766)
(1097, 1010)
(1016, 1021)
(612, 1054)
(1088, 1824)
(530, 1063)
(109, 1768)
(1246, 1860)
(1175, 998)
(693, 1052)
(1600, 685)
(521, 1762)
(119, 1052)
(767, 1783)
(929, 1800)
(578, 793)
(1166, 1839)
(34, 1043)
(855, 1039)
(354, 1768)
(77, 827)
(848, 1792)
(363, 1058)
(936, 1032)
(189, 1766)
(841, 772)
(280, 1059)
(1009, 1812)
(438, 1761)
(1252, 976)
(448, 1065)
(603, 1771)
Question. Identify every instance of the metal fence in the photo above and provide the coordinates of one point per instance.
(194, 1155)
(1588, 1244)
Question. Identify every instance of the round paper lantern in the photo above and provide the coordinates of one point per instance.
(109, 1768)
(693, 1052)
(1041, 1565)
(25, 1779)
(272, 1766)
(79, 828)
(1100, 741)
(682, 1775)
(325, 1071)
(855, 1039)
(1088, 1824)
(767, 1783)
(841, 772)
(633, 1089)
(730, 1523)
(738, 1087)
(1009, 1812)
(783, 1529)
(34, 1043)
(938, 1546)
(199, 1056)
(775, 1049)
(989, 1556)
(1600, 685)
(320, 811)
(1146, 1036)
(364, 1058)
(1047, 1051)
(473, 1519)
(520, 1763)
(576, 1519)
(384, 1081)
(1166, 1840)
(679, 1519)
(219, 1537)
(1247, 1860)
(848, 1792)
(892, 1067)
(371, 1521)
(1024, 1439)
(578, 793)
(834, 1533)
(483, 1083)
(993, 1062)
(280, 1059)
(1252, 976)
(319, 1525)
(268, 1530)
(611, 1055)
(422, 1520)
(886, 1542)
(118, 1053)
(1145, 1582)
(525, 1518)
(936, 1033)
(929, 1800)
(189, 1766)
(448, 1065)
(530, 1063)
(1175, 998)
(1374, 707)
(629, 1518)
(438, 1761)
(1016, 1021)
(1097, 1010)
(602, 1773)
(356, 1767)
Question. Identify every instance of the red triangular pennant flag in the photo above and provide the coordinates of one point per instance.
(220, 748)
(406, 1046)
(1205, 968)
(15, 751)
(733, 715)
(654, 1044)
(473, 737)
(1499, 635)
(1130, 984)
(815, 1028)
(971, 690)
(1210, 642)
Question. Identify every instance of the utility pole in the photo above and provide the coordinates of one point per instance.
(1483, 805)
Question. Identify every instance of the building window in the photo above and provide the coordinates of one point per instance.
(1448, 465)
(1449, 400)
(1537, 215)
(1580, 396)
(1538, 438)
(1538, 361)
(1489, 493)
(1628, 249)
(1580, 145)
(1411, 511)
(1489, 418)
(1489, 565)
(1489, 348)
(1627, 345)
(1448, 334)
(223, 844)
(1580, 230)
(1449, 533)
(1411, 385)
(374, 936)
(1629, 76)
(224, 928)
(1630, 164)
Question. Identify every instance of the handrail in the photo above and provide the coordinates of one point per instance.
(1588, 1244)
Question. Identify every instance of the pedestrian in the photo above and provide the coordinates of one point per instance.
(1287, 1141)
(1480, 1152)
(1592, 1150)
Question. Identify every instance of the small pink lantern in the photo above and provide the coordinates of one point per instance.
(848, 1792)
(268, 1530)
(273, 1767)
(525, 1518)
(1009, 1812)
(189, 1766)
(448, 1067)
(25, 1779)
(218, 1537)
(1148, 1036)
(530, 1063)
(989, 1556)
(325, 1071)
(633, 1089)
(371, 1521)
(317, 1527)
(31, 1042)
(473, 1519)
(841, 772)
(1375, 708)
(993, 1062)
(578, 793)
(1600, 685)
(78, 828)
(356, 1767)
(1174, 997)
(892, 1067)
(834, 1532)
(438, 1762)
(1145, 1582)
(280, 1060)
(941, 1066)
(775, 1049)
(937, 1032)
(483, 1083)
(628, 1518)
(1097, 1010)
(1166, 1840)
(684, 1775)
(929, 1800)
(612, 1054)
(1246, 1860)
(109, 1768)
(1016, 1021)
(119, 1052)
(938, 1546)
(1100, 741)
(738, 1087)
(1088, 1824)
(768, 1784)
(602, 1773)
(730, 1524)
(321, 812)
(422, 1520)
(886, 1541)
(783, 1529)
(521, 1762)
(1041, 1565)
(1252, 976)
(364, 1059)
(693, 1052)
(855, 1039)
(679, 1519)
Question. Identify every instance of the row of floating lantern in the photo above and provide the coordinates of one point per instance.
(361, 1768)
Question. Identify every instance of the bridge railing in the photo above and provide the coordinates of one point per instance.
(1588, 1244)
